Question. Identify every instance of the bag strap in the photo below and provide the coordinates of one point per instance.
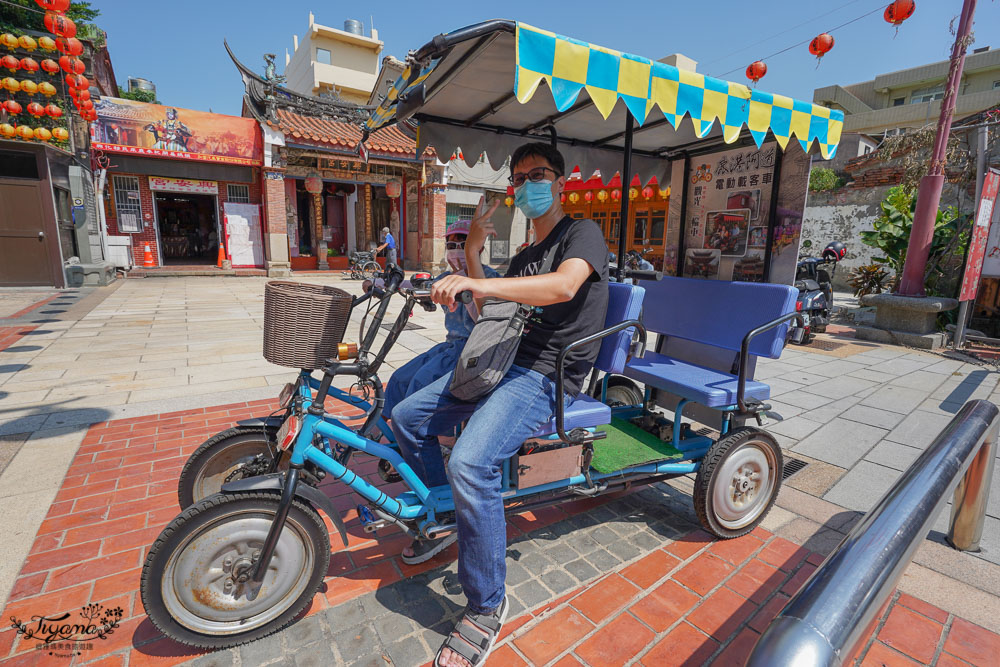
(550, 254)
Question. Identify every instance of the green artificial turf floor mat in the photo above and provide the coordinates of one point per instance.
(628, 445)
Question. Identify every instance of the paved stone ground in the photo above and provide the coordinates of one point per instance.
(114, 360)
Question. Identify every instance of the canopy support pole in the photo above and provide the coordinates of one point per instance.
(626, 183)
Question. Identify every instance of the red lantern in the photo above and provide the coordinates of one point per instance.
(7, 130)
(59, 25)
(71, 46)
(10, 62)
(314, 185)
(616, 194)
(77, 81)
(821, 45)
(89, 115)
(27, 42)
(53, 110)
(46, 43)
(81, 95)
(42, 134)
(29, 65)
(72, 65)
(47, 89)
(86, 105)
(53, 5)
(25, 132)
(60, 134)
(8, 40)
(647, 193)
(393, 188)
(36, 109)
(588, 196)
(899, 11)
(12, 107)
(50, 66)
(756, 70)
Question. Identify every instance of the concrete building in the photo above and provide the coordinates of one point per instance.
(330, 61)
(899, 101)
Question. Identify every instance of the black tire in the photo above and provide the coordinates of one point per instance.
(819, 328)
(304, 525)
(219, 456)
(747, 448)
(371, 270)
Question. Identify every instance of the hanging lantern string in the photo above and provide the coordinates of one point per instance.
(27, 9)
(795, 46)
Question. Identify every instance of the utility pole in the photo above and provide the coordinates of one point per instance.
(929, 195)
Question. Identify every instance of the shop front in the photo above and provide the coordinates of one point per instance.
(181, 183)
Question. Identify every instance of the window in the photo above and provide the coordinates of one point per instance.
(928, 94)
(996, 84)
(658, 221)
(613, 226)
(455, 212)
(323, 56)
(16, 164)
(899, 101)
(238, 194)
(641, 225)
(127, 204)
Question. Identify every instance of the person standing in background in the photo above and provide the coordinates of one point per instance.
(390, 243)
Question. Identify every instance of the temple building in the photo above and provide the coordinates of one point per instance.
(325, 195)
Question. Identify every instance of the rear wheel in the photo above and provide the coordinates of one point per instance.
(621, 391)
(221, 457)
(196, 584)
(738, 482)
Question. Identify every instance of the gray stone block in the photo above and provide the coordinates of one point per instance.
(862, 486)
(895, 399)
(840, 442)
(532, 593)
(624, 550)
(796, 427)
(893, 455)
(516, 573)
(832, 369)
(779, 387)
(903, 313)
(582, 570)
(603, 560)
(561, 553)
(306, 631)
(872, 416)
(357, 643)
(410, 652)
(832, 409)
(781, 411)
(922, 379)
(803, 399)
(918, 429)
(977, 384)
(536, 563)
(262, 651)
(839, 387)
(646, 541)
(218, 659)
(558, 581)
(315, 654)
(929, 341)
(394, 626)
(349, 614)
(800, 375)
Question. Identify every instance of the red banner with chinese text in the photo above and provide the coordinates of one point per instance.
(977, 245)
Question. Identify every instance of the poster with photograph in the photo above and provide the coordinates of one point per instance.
(727, 231)
(729, 196)
(702, 263)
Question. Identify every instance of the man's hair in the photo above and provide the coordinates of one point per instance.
(538, 149)
(385, 230)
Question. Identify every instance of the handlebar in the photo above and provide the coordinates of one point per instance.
(643, 274)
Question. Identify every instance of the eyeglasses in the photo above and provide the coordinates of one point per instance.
(535, 175)
(454, 245)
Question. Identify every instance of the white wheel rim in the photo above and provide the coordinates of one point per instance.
(198, 586)
(743, 485)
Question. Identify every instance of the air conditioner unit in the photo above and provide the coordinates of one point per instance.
(120, 251)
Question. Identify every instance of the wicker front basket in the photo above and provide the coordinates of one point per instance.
(303, 323)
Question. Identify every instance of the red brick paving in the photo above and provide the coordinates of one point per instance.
(10, 336)
(695, 601)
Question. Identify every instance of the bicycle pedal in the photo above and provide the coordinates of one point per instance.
(368, 520)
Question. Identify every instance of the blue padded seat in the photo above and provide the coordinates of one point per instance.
(624, 303)
(707, 386)
(585, 412)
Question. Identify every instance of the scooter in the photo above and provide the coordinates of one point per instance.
(815, 285)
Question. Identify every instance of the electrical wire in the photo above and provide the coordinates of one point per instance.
(783, 32)
(794, 46)
(27, 9)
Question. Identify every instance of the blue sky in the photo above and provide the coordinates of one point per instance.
(179, 44)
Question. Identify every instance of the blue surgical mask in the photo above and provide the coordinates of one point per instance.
(534, 198)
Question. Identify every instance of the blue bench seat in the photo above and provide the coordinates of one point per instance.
(707, 386)
(585, 412)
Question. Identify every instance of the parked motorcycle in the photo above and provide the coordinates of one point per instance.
(815, 285)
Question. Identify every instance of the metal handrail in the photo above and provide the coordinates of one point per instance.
(835, 611)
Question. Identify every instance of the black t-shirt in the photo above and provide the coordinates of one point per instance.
(551, 328)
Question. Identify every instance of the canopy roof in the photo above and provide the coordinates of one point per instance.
(461, 87)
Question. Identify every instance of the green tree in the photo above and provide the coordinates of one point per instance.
(27, 15)
(891, 235)
(138, 95)
(822, 179)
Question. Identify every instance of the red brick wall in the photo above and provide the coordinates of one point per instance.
(148, 233)
(274, 205)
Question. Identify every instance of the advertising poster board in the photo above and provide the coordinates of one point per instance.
(243, 235)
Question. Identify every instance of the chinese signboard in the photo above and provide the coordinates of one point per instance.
(729, 198)
(137, 128)
(983, 237)
(163, 184)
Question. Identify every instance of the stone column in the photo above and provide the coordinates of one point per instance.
(276, 231)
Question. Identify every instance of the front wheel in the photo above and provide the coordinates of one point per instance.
(738, 482)
(241, 451)
(371, 270)
(196, 585)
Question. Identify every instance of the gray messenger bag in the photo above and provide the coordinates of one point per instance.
(491, 347)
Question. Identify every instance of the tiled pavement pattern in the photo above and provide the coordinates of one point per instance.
(598, 581)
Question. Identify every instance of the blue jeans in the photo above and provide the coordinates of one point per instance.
(498, 424)
(420, 372)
